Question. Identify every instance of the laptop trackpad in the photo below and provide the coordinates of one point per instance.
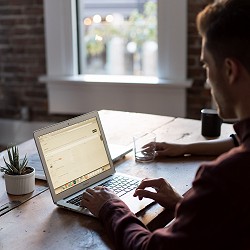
(134, 204)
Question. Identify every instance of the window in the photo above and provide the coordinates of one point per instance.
(72, 87)
(118, 37)
(61, 36)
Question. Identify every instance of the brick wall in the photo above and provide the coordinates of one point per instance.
(198, 97)
(22, 61)
(22, 58)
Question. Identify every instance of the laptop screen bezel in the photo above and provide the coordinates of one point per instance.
(85, 184)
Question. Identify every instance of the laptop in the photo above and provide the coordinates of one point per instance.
(75, 156)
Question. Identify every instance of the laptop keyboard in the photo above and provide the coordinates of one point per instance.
(119, 184)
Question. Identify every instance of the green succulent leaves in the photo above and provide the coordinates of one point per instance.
(15, 166)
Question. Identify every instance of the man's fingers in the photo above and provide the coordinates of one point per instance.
(142, 193)
(148, 183)
(86, 197)
(96, 189)
(160, 153)
(88, 194)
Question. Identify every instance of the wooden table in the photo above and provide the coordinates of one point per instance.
(36, 223)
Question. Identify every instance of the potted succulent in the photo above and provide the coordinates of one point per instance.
(19, 177)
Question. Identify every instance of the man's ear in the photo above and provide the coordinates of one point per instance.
(232, 70)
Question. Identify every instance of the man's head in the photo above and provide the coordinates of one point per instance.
(225, 30)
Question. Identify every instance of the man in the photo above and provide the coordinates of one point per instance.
(215, 214)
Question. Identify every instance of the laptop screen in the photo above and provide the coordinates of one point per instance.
(74, 154)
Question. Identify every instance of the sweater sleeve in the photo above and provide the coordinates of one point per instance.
(128, 232)
(122, 225)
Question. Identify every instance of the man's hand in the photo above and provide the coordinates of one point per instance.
(169, 149)
(94, 199)
(165, 195)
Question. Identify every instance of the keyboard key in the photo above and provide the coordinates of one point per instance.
(119, 184)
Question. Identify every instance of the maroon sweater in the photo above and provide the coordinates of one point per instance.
(215, 213)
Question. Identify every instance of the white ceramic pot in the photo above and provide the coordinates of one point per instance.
(20, 184)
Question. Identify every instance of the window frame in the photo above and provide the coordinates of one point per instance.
(72, 93)
(61, 38)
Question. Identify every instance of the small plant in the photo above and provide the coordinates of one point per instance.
(15, 166)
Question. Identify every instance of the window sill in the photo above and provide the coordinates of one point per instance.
(81, 94)
(116, 79)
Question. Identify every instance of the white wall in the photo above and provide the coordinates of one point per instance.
(76, 98)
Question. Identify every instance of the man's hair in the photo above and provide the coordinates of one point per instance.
(225, 25)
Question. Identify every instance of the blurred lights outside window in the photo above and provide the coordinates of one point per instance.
(118, 40)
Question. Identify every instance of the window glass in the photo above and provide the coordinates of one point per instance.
(118, 37)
